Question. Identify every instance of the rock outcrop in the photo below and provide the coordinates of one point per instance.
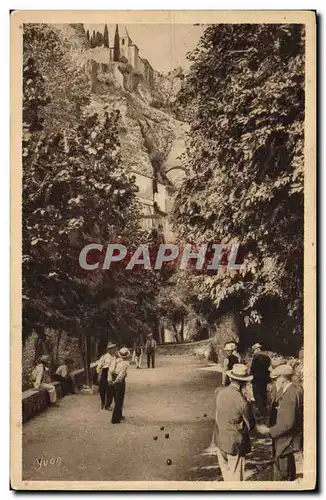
(148, 127)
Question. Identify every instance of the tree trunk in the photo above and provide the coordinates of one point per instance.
(87, 361)
(176, 334)
(181, 333)
(156, 330)
(162, 332)
(103, 342)
(84, 354)
(37, 348)
(93, 356)
(57, 347)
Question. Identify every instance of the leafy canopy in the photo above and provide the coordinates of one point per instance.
(244, 99)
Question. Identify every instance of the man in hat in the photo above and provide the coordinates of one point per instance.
(286, 434)
(232, 357)
(260, 371)
(105, 369)
(150, 350)
(233, 422)
(119, 384)
(273, 395)
(138, 354)
(63, 376)
(41, 378)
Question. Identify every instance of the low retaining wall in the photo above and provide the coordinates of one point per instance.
(35, 401)
(199, 347)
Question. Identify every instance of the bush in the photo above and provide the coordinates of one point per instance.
(157, 104)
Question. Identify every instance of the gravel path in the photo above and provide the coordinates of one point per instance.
(76, 441)
(84, 444)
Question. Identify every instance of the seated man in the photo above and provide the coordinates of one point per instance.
(42, 380)
(63, 376)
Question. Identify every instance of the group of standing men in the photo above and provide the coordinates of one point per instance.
(150, 349)
(112, 370)
(263, 399)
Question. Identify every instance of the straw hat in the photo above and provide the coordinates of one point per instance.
(256, 346)
(124, 353)
(45, 358)
(239, 372)
(110, 345)
(275, 362)
(285, 370)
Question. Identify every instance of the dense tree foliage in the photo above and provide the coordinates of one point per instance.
(244, 99)
(61, 69)
(75, 191)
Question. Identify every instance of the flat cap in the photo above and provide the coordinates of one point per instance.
(285, 370)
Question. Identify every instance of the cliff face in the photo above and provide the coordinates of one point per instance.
(148, 128)
(152, 138)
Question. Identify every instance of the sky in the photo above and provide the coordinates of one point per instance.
(164, 45)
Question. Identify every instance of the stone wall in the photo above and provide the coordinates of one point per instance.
(67, 347)
(35, 401)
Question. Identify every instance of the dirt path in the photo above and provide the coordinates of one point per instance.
(176, 395)
(84, 445)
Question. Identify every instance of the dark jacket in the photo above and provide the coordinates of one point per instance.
(232, 360)
(260, 368)
(287, 432)
(233, 421)
(150, 345)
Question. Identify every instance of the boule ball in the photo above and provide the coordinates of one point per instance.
(169, 461)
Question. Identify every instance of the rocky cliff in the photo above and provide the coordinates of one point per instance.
(151, 131)
(148, 126)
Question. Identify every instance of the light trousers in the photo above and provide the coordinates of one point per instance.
(138, 361)
(232, 466)
(51, 390)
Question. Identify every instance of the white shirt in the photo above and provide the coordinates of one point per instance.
(40, 374)
(121, 369)
(104, 362)
(62, 371)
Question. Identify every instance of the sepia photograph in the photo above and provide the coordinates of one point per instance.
(163, 250)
